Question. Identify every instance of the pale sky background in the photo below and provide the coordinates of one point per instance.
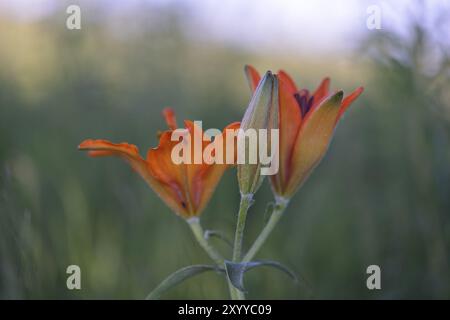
(312, 25)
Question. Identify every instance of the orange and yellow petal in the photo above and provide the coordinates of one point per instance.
(103, 148)
(348, 100)
(312, 142)
(207, 180)
(289, 124)
(170, 175)
(196, 169)
(130, 153)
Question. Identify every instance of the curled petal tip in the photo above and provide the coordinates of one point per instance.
(169, 115)
(85, 144)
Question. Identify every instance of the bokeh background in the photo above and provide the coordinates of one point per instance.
(381, 195)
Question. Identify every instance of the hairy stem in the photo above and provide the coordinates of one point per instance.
(235, 294)
(198, 232)
(278, 209)
(246, 202)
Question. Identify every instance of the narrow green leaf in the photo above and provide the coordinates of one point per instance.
(179, 276)
(235, 271)
(273, 264)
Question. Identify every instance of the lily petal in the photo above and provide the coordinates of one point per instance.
(172, 176)
(321, 91)
(208, 179)
(169, 116)
(348, 100)
(312, 141)
(289, 125)
(253, 77)
(130, 153)
(103, 148)
(287, 79)
(195, 172)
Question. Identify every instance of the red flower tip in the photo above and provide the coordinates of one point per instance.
(169, 116)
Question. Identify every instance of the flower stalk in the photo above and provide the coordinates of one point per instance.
(278, 209)
(261, 114)
(235, 294)
(197, 230)
(246, 202)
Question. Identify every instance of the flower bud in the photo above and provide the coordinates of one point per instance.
(262, 113)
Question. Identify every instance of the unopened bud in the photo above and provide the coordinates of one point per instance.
(260, 118)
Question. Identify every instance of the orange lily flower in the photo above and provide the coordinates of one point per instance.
(306, 123)
(185, 188)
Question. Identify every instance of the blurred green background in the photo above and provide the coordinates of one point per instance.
(381, 195)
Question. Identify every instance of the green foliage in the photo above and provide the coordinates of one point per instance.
(236, 271)
(179, 276)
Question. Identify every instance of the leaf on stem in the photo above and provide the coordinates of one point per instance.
(179, 276)
(235, 270)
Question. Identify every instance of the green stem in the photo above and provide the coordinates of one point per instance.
(278, 209)
(198, 232)
(246, 202)
(235, 294)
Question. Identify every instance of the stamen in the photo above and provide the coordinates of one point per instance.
(304, 100)
(310, 103)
